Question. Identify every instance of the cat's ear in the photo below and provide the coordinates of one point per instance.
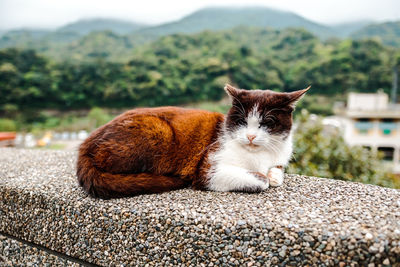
(295, 96)
(233, 92)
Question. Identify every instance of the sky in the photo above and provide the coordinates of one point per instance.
(55, 13)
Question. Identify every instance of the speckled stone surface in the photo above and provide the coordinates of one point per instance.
(308, 220)
(14, 253)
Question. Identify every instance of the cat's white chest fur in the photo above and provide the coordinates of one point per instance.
(233, 164)
(259, 161)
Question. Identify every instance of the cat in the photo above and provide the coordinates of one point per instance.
(153, 150)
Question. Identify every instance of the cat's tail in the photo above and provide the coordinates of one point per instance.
(108, 185)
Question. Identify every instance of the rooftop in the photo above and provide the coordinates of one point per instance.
(368, 105)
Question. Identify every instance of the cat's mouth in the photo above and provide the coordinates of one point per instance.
(253, 145)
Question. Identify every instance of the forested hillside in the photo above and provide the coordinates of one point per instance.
(114, 40)
(388, 33)
(179, 69)
(22, 38)
(80, 41)
(205, 19)
(345, 29)
(86, 26)
(226, 18)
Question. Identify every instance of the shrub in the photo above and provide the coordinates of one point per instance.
(7, 125)
(98, 117)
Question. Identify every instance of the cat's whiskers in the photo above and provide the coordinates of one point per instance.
(242, 109)
(270, 117)
(239, 109)
(236, 115)
(272, 147)
(276, 142)
(272, 110)
(207, 147)
(224, 142)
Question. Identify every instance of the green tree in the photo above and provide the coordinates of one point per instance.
(179, 69)
(7, 125)
(24, 79)
(98, 117)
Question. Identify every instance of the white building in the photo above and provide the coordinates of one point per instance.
(370, 121)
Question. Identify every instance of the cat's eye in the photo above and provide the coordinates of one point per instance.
(243, 122)
(268, 123)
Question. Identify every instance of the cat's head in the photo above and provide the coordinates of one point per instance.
(260, 119)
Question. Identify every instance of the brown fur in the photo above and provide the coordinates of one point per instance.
(148, 151)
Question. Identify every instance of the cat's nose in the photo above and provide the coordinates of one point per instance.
(251, 137)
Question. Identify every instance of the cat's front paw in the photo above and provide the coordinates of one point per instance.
(262, 185)
(231, 178)
(257, 186)
(275, 176)
(260, 176)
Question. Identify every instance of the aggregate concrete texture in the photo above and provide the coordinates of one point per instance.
(307, 221)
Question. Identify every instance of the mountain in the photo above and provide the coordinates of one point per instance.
(347, 28)
(22, 37)
(388, 32)
(225, 18)
(61, 37)
(95, 45)
(114, 40)
(44, 40)
(84, 27)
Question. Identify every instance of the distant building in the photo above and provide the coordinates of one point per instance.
(370, 121)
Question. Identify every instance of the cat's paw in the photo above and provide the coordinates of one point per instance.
(260, 176)
(231, 178)
(275, 176)
(255, 186)
(262, 183)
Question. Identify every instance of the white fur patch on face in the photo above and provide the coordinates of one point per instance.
(253, 121)
(252, 129)
(254, 113)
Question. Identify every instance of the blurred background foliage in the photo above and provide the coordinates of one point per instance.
(178, 69)
(77, 78)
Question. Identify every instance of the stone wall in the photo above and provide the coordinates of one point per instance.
(308, 220)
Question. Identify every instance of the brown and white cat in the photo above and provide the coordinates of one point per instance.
(152, 150)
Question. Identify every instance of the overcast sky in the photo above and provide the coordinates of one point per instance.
(54, 13)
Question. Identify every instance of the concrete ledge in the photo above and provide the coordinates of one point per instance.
(306, 221)
(16, 253)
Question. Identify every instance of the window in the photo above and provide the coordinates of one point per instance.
(388, 153)
(387, 126)
(363, 125)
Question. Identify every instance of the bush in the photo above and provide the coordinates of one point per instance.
(98, 117)
(7, 125)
